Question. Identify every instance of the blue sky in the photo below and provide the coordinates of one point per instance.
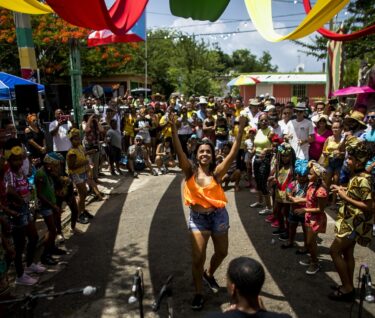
(284, 54)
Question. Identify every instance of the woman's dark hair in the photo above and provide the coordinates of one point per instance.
(205, 141)
(247, 275)
(168, 139)
(261, 115)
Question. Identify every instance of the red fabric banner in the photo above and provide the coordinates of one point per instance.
(338, 36)
(93, 14)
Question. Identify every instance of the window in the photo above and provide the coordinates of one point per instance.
(299, 90)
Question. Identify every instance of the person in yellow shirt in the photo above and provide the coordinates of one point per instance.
(238, 107)
(129, 120)
(78, 168)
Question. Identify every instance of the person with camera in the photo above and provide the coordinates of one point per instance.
(59, 129)
(139, 157)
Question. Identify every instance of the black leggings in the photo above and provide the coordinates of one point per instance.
(262, 167)
(19, 239)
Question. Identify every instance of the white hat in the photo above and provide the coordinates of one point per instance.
(202, 100)
(138, 137)
(269, 107)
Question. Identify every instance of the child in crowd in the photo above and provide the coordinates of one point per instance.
(332, 151)
(249, 156)
(164, 156)
(281, 177)
(48, 207)
(77, 169)
(233, 174)
(355, 220)
(114, 143)
(296, 194)
(18, 194)
(315, 217)
(221, 133)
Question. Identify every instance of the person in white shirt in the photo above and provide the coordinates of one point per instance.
(286, 116)
(299, 133)
(252, 112)
(59, 129)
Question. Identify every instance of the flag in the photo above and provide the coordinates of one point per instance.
(334, 67)
(136, 34)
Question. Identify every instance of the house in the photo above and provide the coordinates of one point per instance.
(284, 86)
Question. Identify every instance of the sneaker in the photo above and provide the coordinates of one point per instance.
(58, 251)
(279, 232)
(48, 260)
(197, 303)
(35, 268)
(83, 219)
(154, 173)
(60, 239)
(26, 280)
(270, 219)
(211, 282)
(160, 172)
(284, 237)
(305, 262)
(275, 224)
(166, 170)
(88, 214)
(256, 205)
(313, 269)
(265, 211)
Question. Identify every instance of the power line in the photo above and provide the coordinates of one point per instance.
(218, 33)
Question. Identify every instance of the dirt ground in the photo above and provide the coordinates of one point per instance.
(143, 224)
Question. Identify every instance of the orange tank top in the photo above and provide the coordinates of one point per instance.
(210, 196)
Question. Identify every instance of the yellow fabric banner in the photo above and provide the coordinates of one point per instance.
(26, 6)
(260, 12)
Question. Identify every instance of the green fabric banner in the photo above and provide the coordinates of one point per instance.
(198, 9)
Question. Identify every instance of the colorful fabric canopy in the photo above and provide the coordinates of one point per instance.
(353, 90)
(243, 80)
(260, 12)
(198, 9)
(136, 34)
(26, 6)
(93, 14)
(339, 36)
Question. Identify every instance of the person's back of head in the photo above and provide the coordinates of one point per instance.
(247, 275)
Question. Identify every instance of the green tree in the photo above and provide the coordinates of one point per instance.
(361, 13)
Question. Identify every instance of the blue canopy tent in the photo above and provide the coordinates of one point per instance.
(7, 88)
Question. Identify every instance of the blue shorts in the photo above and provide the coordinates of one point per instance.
(45, 212)
(335, 164)
(23, 218)
(216, 222)
(79, 178)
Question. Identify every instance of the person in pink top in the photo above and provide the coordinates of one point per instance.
(321, 132)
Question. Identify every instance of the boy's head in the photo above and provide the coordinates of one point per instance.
(113, 124)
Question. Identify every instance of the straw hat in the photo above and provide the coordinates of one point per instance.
(319, 117)
(358, 117)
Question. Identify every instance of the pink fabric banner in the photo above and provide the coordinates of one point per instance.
(93, 14)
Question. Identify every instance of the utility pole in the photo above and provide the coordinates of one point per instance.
(76, 80)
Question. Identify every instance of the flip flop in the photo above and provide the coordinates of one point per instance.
(338, 295)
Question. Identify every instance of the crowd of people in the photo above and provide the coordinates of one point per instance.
(298, 159)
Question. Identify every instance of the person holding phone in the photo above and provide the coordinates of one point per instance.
(59, 129)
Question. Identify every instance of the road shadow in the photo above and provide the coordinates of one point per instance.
(95, 263)
(306, 295)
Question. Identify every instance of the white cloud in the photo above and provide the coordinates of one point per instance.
(284, 54)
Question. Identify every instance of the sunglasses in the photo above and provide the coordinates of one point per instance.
(371, 117)
(300, 111)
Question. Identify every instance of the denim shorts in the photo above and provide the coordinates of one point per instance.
(296, 218)
(216, 222)
(335, 164)
(79, 178)
(23, 218)
(45, 212)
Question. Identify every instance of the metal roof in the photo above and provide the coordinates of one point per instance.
(290, 78)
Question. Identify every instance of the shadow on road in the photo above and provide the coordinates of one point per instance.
(96, 264)
(306, 295)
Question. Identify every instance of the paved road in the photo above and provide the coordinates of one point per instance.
(143, 224)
